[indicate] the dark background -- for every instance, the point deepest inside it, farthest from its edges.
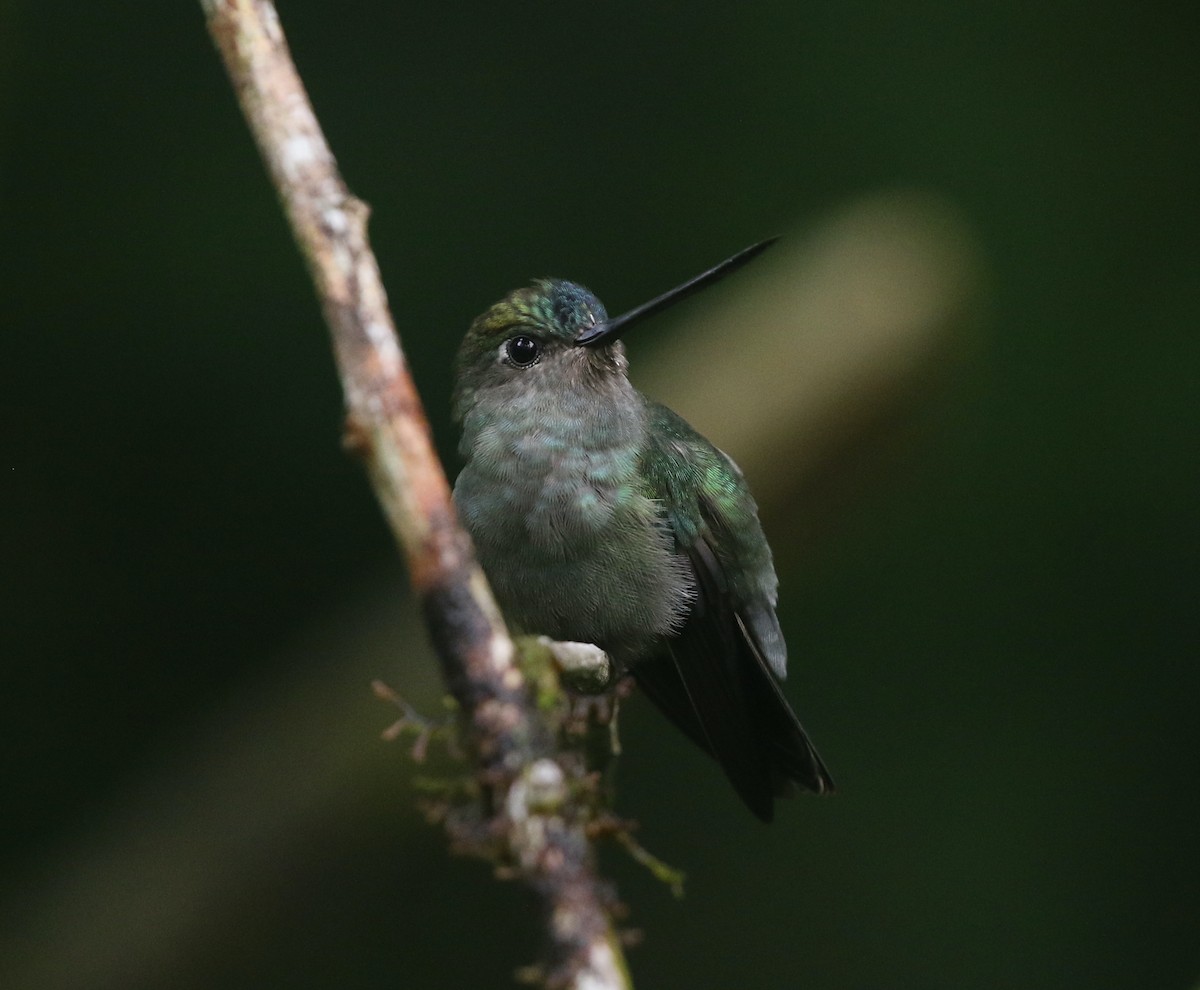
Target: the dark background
(995, 633)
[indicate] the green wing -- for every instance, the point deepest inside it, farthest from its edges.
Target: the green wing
(718, 678)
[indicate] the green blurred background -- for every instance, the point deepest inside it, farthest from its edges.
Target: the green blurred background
(990, 592)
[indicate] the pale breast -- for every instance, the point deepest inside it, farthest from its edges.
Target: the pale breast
(570, 544)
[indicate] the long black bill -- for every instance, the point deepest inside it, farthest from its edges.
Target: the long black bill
(606, 333)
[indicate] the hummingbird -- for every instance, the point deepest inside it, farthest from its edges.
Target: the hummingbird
(600, 516)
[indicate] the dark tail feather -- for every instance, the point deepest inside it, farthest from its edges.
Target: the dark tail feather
(713, 711)
(794, 755)
(718, 692)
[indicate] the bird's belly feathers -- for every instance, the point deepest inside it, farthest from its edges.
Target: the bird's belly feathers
(570, 545)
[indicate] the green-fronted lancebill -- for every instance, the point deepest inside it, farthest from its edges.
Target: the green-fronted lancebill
(601, 517)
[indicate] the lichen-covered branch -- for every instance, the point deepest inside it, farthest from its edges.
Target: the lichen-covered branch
(528, 803)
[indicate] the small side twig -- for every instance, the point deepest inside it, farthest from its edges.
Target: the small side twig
(411, 722)
(527, 804)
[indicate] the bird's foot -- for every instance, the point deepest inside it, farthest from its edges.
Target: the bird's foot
(582, 667)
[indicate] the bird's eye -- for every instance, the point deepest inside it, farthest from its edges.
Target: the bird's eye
(523, 351)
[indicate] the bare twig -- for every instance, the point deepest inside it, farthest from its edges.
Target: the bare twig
(527, 804)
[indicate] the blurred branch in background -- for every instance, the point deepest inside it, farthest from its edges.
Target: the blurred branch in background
(845, 326)
(794, 367)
